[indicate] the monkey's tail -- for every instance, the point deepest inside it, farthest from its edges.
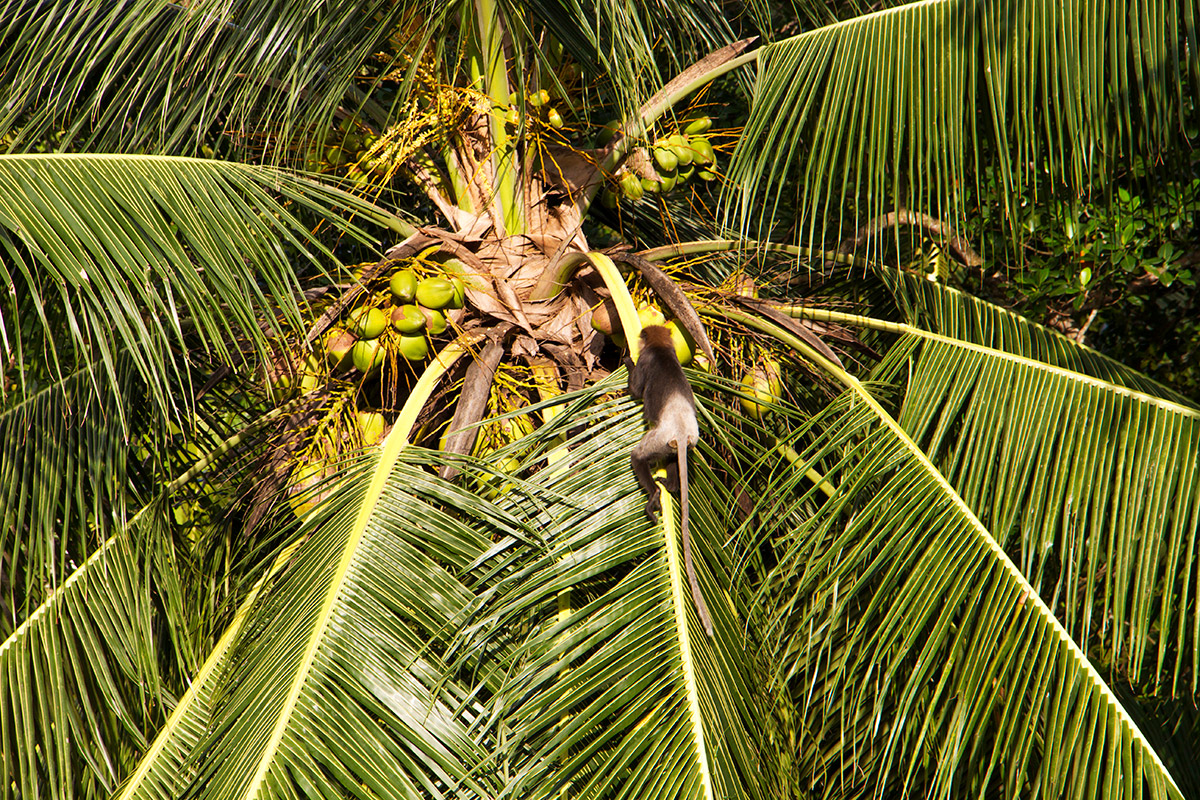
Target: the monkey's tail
(697, 597)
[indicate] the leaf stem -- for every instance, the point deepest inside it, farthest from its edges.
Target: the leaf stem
(494, 73)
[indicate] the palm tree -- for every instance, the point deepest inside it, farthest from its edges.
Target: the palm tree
(253, 545)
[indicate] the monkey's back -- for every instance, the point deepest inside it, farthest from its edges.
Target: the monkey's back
(659, 382)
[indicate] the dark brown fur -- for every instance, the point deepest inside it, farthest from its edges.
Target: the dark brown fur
(669, 408)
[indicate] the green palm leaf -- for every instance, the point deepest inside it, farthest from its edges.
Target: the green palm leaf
(887, 108)
(1078, 475)
(80, 677)
(162, 78)
(158, 77)
(631, 41)
(163, 770)
(919, 651)
(335, 669)
(65, 476)
(953, 314)
(1078, 465)
(336, 674)
(905, 620)
(117, 268)
(128, 256)
(615, 690)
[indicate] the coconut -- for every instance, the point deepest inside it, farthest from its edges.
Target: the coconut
(684, 348)
(404, 285)
(435, 293)
(631, 186)
(681, 148)
(604, 316)
(301, 496)
(764, 386)
(665, 156)
(435, 321)
(408, 319)
(337, 345)
(368, 323)
(368, 355)
(460, 292)
(414, 348)
(702, 150)
(371, 426)
(651, 315)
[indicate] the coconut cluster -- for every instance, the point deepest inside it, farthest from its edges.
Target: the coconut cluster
(400, 320)
(346, 145)
(540, 107)
(679, 158)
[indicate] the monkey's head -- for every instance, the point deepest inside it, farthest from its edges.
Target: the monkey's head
(657, 336)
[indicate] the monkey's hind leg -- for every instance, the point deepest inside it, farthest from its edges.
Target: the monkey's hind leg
(649, 453)
(641, 469)
(671, 481)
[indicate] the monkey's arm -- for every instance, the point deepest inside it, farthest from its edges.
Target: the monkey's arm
(637, 380)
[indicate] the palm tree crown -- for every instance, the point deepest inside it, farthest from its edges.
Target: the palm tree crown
(314, 444)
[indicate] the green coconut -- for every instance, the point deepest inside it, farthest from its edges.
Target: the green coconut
(435, 321)
(408, 319)
(404, 285)
(651, 315)
(764, 386)
(368, 323)
(368, 355)
(371, 426)
(460, 292)
(414, 348)
(435, 293)
(338, 343)
(684, 348)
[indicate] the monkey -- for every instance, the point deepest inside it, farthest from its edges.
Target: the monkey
(669, 409)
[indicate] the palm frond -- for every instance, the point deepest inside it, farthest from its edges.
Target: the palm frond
(919, 654)
(164, 770)
(151, 76)
(881, 109)
(336, 676)
(628, 42)
(80, 681)
(1077, 476)
(141, 257)
(606, 597)
(65, 476)
(956, 315)
(1077, 464)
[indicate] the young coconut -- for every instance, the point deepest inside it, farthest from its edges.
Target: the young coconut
(436, 293)
(368, 355)
(414, 348)
(435, 321)
(408, 319)
(404, 285)
(765, 388)
(685, 348)
(371, 427)
(300, 491)
(650, 314)
(368, 323)
(338, 343)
